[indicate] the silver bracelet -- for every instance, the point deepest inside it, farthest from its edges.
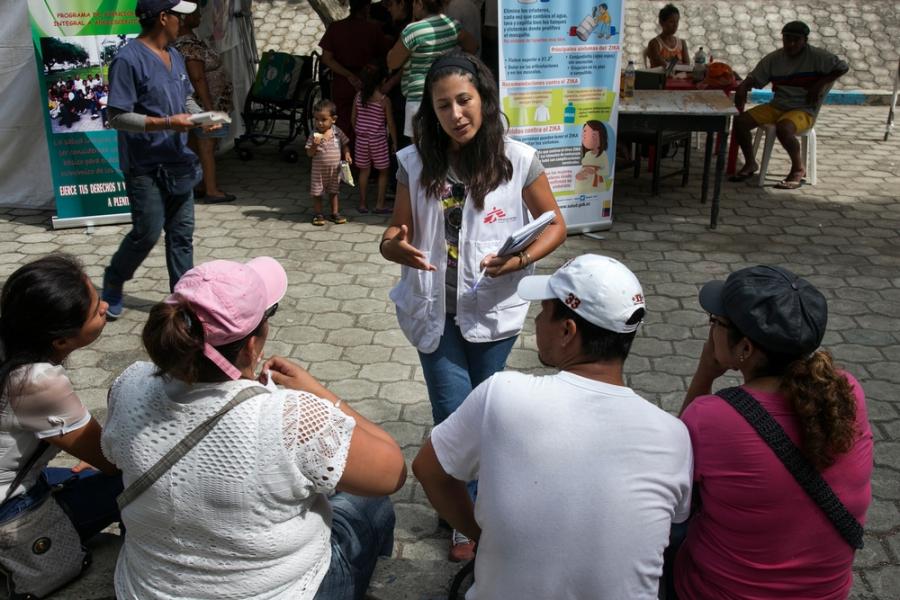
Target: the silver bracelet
(168, 122)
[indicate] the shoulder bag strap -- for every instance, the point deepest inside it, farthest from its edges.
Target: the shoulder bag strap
(797, 464)
(183, 447)
(20, 476)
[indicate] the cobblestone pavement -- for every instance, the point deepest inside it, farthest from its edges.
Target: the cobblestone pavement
(739, 33)
(337, 319)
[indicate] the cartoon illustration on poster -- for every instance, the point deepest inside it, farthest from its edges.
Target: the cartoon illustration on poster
(559, 84)
(74, 43)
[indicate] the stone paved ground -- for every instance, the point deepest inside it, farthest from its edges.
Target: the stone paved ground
(738, 32)
(337, 319)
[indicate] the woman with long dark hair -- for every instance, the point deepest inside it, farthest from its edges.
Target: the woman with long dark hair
(49, 309)
(462, 188)
(757, 533)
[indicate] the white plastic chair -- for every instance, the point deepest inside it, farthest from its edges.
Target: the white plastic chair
(807, 149)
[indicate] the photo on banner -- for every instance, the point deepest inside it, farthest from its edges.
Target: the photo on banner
(559, 85)
(74, 43)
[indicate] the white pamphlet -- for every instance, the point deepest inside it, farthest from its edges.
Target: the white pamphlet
(211, 118)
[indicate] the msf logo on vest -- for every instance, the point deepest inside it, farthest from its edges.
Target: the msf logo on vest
(496, 215)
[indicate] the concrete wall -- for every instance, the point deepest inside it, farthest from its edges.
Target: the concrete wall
(865, 33)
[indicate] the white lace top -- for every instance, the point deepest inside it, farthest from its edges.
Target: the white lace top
(244, 514)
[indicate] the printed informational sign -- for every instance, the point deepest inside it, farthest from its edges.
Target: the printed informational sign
(559, 83)
(74, 42)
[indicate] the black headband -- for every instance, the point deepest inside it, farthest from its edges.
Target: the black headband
(452, 61)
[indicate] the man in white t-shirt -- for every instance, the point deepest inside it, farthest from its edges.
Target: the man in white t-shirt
(579, 478)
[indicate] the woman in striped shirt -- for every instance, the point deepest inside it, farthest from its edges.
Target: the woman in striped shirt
(421, 42)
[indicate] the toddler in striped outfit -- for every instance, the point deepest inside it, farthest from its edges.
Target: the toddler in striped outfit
(373, 121)
(326, 146)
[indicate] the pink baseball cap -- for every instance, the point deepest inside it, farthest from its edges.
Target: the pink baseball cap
(230, 299)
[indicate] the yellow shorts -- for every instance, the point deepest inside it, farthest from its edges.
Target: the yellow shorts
(766, 114)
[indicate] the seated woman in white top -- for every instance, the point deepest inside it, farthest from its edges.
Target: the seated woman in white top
(49, 309)
(246, 513)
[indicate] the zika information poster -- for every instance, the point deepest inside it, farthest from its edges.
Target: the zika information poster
(74, 43)
(559, 84)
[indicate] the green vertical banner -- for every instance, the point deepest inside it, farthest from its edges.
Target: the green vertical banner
(74, 43)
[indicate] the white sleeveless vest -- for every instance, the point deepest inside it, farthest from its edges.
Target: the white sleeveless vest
(491, 312)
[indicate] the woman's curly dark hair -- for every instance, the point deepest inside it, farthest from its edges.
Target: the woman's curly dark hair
(825, 405)
(483, 166)
(820, 396)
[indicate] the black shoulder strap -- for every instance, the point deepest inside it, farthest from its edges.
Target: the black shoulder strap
(20, 476)
(794, 461)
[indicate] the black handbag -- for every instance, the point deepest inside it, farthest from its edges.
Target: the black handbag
(797, 464)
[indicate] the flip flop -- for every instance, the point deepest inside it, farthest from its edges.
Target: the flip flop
(784, 184)
(362, 210)
(384, 211)
(738, 177)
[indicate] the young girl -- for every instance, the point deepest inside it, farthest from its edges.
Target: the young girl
(373, 121)
(462, 189)
(326, 147)
(49, 309)
(667, 45)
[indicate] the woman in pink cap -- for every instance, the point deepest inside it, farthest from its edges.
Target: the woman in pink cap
(243, 505)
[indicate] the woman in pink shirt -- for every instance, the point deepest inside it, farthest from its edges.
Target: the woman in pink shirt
(755, 532)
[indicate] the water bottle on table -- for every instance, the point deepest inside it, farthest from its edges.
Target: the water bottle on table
(628, 81)
(699, 65)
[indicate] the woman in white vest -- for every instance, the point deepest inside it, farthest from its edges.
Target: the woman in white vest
(461, 190)
(250, 511)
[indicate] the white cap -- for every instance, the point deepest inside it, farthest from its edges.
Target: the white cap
(598, 288)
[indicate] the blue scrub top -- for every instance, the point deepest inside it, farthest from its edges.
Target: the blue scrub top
(140, 82)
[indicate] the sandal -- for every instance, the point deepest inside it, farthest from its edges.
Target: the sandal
(786, 184)
(742, 176)
(792, 184)
(318, 220)
(384, 211)
(337, 219)
(362, 210)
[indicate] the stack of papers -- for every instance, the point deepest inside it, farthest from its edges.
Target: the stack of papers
(524, 236)
(211, 118)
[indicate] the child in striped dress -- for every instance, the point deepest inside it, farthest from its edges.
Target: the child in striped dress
(326, 146)
(373, 121)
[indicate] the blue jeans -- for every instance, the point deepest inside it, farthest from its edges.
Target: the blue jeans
(162, 200)
(362, 529)
(88, 497)
(458, 366)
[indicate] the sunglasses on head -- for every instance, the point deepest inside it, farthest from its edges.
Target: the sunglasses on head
(270, 312)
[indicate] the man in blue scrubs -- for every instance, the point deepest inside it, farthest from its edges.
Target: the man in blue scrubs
(150, 105)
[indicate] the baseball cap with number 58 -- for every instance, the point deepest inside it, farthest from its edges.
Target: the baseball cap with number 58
(597, 288)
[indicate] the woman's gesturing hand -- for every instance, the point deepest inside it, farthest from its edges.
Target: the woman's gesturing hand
(397, 249)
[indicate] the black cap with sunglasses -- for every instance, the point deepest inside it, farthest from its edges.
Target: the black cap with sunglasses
(779, 311)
